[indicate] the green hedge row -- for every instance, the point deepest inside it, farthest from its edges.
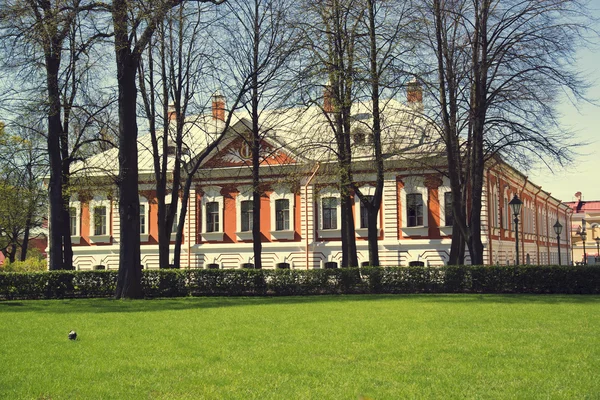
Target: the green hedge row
(210, 282)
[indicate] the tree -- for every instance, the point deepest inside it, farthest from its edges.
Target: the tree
(51, 35)
(259, 48)
(387, 38)
(169, 78)
(330, 36)
(21, 191)
(501, 67)
(128, 17)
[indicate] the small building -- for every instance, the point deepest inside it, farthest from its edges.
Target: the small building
(300, 205)
(586, 224)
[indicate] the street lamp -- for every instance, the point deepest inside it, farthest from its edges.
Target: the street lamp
(558, 229)
(584, 238)
(515, 204)
(597, 249)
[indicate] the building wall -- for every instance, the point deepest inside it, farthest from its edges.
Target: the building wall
(307, 245)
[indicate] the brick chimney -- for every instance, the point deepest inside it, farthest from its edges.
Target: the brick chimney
(218, 106)
(328, 99)
(171, 114)
(414, 92)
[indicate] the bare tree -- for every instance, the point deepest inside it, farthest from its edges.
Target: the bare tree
(259, 49)
(134, 25)
(49, 42)
(384, 53)
(502, 66)
(330, 30)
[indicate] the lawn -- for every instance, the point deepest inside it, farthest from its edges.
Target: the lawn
(327, 347)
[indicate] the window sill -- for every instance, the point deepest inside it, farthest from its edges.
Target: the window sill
(75, 239)
(144, 237)
(364, 232)
(282, 235)
(329, 233)
(100, 239)
(415, 231)
(212, 236)
(446, 230)
(245, 235)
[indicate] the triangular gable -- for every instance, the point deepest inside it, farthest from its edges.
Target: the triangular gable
(234, 151)
(238, 153)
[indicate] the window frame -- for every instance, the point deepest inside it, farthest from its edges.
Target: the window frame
(282, 193)
(75, 236)
(97, 203)
(363, 231)
(418, 218)
(210, 222)
(144, 217)
(415, 185)
(448, 210)
(212, 194)
(332, 219)
(322, 232)
(245, 194)
(246, 215)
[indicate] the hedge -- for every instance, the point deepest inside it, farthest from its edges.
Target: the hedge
(284, 282)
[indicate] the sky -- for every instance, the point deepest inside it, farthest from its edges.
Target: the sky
(584, 119)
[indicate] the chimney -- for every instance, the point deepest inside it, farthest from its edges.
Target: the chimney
(171, 114)
(328, 98)
(218, 106)
(414, 93)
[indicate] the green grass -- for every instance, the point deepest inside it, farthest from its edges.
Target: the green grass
(328, 347)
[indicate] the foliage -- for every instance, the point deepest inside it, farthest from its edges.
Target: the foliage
(550, 279)
(32, 264)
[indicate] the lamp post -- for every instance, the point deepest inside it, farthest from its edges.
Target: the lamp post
(584, 238)
(515, 204)
(597, 249)
(558, 229)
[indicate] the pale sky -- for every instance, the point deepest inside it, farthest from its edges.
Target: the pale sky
(584, 175)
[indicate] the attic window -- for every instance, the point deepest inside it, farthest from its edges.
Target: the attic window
(359, 136)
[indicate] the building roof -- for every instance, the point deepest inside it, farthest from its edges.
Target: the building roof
(306, 133)
(584, 206)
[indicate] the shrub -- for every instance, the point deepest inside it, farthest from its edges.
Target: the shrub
(285, 282)
(32, 264)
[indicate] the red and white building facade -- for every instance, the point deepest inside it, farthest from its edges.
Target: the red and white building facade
(300, 207)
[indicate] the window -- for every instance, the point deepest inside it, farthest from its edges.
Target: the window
(329, 212)
(448, 213)
(99, 209)
(212, 213)
(175, 218)
(282, 214)
(73, 221)
(364, 213)
(414, 209)
(142, 219)
(496, 210)
(505, 214)
(212, 216)
(100, 221)
(282, 201)
(246, 215)
(144, 224)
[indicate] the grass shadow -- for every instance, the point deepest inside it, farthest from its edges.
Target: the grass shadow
(185, 303)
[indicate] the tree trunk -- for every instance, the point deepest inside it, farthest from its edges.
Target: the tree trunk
(129, 283)
(25, 244)
(55, 186)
